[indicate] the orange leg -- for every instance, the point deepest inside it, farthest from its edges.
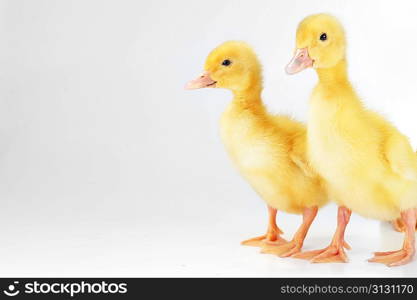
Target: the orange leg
(272, 235)
(404, 255)
(294, 246)
(399, 225)
(335, 251)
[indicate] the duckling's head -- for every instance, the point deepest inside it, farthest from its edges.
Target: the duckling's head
(320, 43)
(232, 65)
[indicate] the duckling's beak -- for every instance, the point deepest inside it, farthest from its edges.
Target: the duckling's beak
(202, 81)
(299, 62)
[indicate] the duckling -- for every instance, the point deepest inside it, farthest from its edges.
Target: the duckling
(368, 165)
(268, 150)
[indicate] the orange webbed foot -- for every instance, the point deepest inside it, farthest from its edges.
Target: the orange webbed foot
(404, 255)
(260, 241)
(294, 246)
(272, 237)
(286, 249)
(332, 253)
(335, 252)
(254, 242)
(393, 258)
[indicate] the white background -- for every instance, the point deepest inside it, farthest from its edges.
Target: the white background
(109, 168)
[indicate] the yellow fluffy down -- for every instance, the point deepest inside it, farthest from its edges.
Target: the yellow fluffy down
(368, 165)
(269, 151)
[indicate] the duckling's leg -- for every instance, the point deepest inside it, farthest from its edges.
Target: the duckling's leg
(335, 251)
(403, 256)
(398, 225)
(272, 234)
(295, 245)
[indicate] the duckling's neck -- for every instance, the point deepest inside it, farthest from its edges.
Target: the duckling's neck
(334, 85)
(248, 99)
(335, 74)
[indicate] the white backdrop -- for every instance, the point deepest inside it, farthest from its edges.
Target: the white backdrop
(109, 168)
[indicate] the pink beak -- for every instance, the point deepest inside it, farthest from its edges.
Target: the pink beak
(202, 81)
(299, 62)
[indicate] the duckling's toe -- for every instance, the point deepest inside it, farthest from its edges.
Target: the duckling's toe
(254, 242)
(261, 241)
(393, 258)
(331, 254)
(286, 249)
(307, 255)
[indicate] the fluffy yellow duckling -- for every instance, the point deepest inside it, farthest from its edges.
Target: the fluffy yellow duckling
(369, 166)
(269, 151)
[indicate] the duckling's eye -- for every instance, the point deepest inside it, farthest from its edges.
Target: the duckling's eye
(226, 62)
(323, 37)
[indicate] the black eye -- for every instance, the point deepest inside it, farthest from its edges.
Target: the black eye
(226, 62)
(323, 37)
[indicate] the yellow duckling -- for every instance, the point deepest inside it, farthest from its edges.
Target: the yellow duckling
(369, 166)
(269, 151)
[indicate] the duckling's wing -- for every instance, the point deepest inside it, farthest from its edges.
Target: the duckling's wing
(298, 154)
(296, 134)
(303, 165)
(400, 156)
